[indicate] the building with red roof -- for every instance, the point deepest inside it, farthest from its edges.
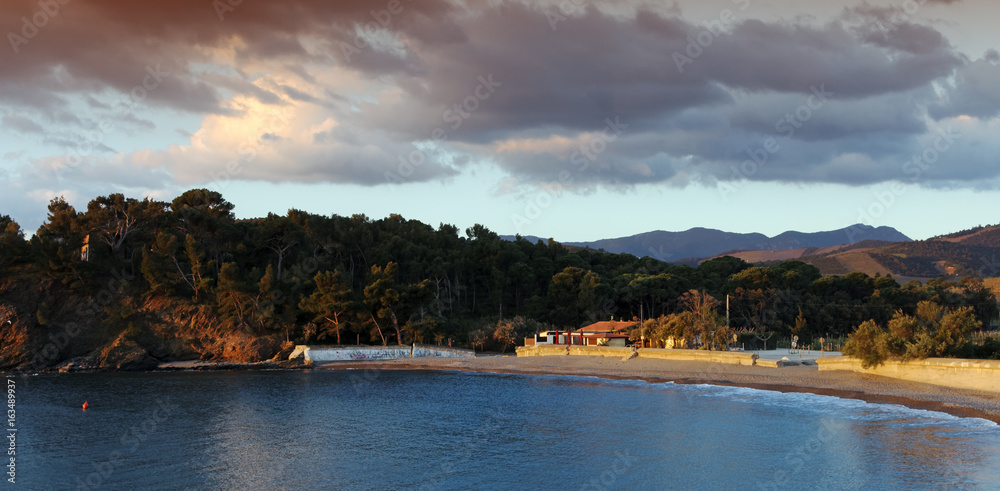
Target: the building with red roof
(604, 333)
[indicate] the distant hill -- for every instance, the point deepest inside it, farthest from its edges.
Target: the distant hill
(974, 252)
(704, 242)
(982, 236)
(883, 250)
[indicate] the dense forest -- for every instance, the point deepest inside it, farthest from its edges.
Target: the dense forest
(145, 270)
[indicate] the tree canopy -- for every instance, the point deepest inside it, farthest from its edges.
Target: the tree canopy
(315, 277)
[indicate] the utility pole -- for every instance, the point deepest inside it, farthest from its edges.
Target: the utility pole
(727, 310)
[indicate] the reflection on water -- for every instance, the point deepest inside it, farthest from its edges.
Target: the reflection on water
(915, 445)
(390, 430)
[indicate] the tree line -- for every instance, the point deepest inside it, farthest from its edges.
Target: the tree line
(338, 279)
(933, 331)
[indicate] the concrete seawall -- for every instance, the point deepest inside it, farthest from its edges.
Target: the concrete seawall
(326, 354)
(725, 357)
(562, 350)
(949, 372)
(432, 351)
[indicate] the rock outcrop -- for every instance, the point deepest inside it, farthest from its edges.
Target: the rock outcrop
(126, 355)
(60, 337)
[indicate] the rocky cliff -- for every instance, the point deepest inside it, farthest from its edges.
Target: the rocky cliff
(39, 332)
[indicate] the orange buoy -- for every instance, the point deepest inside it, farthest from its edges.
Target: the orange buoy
(85, 405)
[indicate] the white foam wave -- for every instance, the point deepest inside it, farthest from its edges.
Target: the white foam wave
(851, 409)
(839, 407)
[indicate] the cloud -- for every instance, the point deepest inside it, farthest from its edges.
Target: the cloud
(349, 92)
(88, 46)
(973, 91)
(21, 123)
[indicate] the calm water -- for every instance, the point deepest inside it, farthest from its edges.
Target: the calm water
(434, 430)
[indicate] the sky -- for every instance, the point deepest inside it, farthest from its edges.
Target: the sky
(573, 119)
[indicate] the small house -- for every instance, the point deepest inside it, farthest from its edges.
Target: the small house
(555, 337)
(607, 333)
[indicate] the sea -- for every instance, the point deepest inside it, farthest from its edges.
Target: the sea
(391, 429)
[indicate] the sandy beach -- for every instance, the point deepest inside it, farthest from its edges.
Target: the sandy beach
(958, 402)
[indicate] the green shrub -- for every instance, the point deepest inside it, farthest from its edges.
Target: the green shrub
(989, 350)
(869, 344)
(933, 332)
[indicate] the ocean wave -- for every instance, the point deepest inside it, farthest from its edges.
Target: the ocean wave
(852, 409)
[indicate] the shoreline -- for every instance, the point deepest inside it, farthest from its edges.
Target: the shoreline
(963, 403)
(808, 379)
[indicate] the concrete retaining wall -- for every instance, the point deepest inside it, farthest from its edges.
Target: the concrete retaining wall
(948, 372)
(578, 350)
(726, 357)
(540, 350)
(544, 350)
(432, 351)
(611, 351)
(324, 354)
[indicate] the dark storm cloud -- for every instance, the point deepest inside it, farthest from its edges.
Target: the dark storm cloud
(893, 27)
(87, 46)
(591, 67)
(774, 57)
(885, 115)
(596, 65)
(694, 99)
(974, 91)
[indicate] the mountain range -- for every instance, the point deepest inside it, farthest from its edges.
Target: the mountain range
(862, 248)
(701, 242)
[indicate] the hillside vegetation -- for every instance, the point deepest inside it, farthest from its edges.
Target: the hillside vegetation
(974, 252)
(127, 284)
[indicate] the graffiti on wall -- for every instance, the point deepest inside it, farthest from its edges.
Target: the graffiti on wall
(434, 352)
(377, 353)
